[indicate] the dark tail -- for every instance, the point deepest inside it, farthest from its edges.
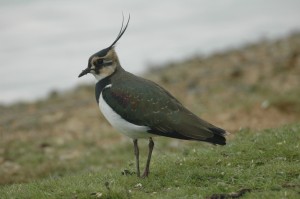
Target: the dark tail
(219, 136)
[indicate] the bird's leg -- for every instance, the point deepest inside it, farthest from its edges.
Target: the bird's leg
(136, 153)
(147, 169)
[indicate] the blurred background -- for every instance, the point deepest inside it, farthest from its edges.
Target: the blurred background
(45, 44)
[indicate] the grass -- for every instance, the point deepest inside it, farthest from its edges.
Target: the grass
(265, 164)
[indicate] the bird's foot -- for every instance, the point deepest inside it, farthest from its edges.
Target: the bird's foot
(145, 174)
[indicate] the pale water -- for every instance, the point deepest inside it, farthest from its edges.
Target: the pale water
(44, 45)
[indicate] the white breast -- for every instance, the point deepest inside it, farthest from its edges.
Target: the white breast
(127, 128)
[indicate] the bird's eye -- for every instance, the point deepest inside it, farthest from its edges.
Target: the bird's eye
(99, 62)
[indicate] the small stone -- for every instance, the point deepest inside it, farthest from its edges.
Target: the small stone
(139, 185)
(99, 195)
(265, 104)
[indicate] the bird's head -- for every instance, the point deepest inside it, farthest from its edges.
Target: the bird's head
(104, 62)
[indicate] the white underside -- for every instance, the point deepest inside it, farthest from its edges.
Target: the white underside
(127, 128)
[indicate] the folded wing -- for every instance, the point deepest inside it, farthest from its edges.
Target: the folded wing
(152, 106)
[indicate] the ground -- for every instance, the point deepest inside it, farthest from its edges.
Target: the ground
(64, 139)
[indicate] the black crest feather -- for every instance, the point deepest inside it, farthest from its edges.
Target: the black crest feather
(121, 32)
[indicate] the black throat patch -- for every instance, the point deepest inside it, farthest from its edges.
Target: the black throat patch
(100, 86)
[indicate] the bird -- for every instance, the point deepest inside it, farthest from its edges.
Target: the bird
(142, 109)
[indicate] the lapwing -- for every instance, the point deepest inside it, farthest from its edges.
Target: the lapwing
(140, 108)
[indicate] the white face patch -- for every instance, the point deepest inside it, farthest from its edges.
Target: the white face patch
(107, 62)
(100, 76)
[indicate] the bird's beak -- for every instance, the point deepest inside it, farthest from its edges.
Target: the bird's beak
(84, 72)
